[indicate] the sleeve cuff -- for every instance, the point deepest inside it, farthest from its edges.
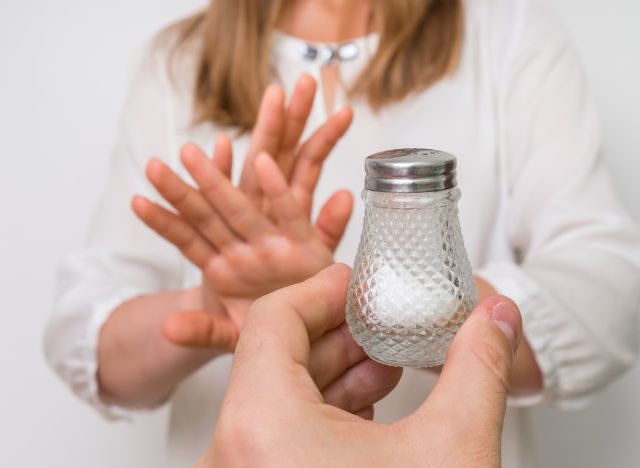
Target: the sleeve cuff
(542, 321)
(99, 315)
(78, 365)
(71, 343)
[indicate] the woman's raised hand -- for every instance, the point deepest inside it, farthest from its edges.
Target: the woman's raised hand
(251, 240)
(278, 131)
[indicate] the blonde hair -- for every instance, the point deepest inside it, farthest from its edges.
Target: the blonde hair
(420, 42)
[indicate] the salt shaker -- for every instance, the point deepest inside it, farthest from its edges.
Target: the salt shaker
(411, 287)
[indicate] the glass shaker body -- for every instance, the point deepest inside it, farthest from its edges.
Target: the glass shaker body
(411, 287)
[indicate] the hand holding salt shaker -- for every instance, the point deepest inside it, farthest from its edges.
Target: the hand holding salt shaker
(411, 287)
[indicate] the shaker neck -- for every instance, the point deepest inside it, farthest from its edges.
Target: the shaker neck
(411, 200)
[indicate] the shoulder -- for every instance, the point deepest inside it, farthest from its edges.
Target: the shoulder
(161, 82)
(508, 15)
(511, 31)
(165, 64)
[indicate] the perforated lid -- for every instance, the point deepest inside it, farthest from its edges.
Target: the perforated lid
(410, 170)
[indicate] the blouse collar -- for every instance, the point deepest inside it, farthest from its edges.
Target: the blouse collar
(360, 49)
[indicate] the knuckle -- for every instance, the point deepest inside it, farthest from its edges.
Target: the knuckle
(162, 226)
(181, 199)
(354, 353)
(260, 306)
(238, 216)
(495, 360)
(238, 437)
(329, 140)
(186, 241)
(209, 224)
(197, 212)
(355, 390)
(210, 187)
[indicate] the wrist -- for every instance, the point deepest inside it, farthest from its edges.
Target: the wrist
(527, 377)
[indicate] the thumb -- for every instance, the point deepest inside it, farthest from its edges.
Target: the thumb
(472, 389)
(333, 218)
(199, 329)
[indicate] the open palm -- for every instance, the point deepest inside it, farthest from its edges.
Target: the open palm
(255, 238)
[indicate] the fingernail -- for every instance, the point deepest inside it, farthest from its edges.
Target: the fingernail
(505, 316)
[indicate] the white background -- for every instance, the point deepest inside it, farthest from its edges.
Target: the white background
(64, 68)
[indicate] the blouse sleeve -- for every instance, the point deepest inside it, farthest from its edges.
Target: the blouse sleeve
(122, 258)
(577, 280)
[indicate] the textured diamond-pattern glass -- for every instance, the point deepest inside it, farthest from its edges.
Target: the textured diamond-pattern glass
(411, 287)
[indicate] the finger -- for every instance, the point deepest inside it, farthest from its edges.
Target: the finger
(231, 204)
(223, 155)
(273, 350)
(199, 329)
(333, 218)
(286, 211)
(297, 114)
(313, 153)
(190, 203)
(266, 136)
(474, 382)
(362, 385)
(366, 413)
(175, 230)
(332, 354)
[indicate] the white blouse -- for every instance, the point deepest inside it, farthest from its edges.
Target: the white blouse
(539, 217)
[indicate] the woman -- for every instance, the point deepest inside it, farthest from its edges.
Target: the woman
(494, 82)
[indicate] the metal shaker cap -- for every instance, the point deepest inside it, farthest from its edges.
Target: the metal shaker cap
(410, 170)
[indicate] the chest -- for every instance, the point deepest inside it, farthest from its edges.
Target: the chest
(456, 115)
